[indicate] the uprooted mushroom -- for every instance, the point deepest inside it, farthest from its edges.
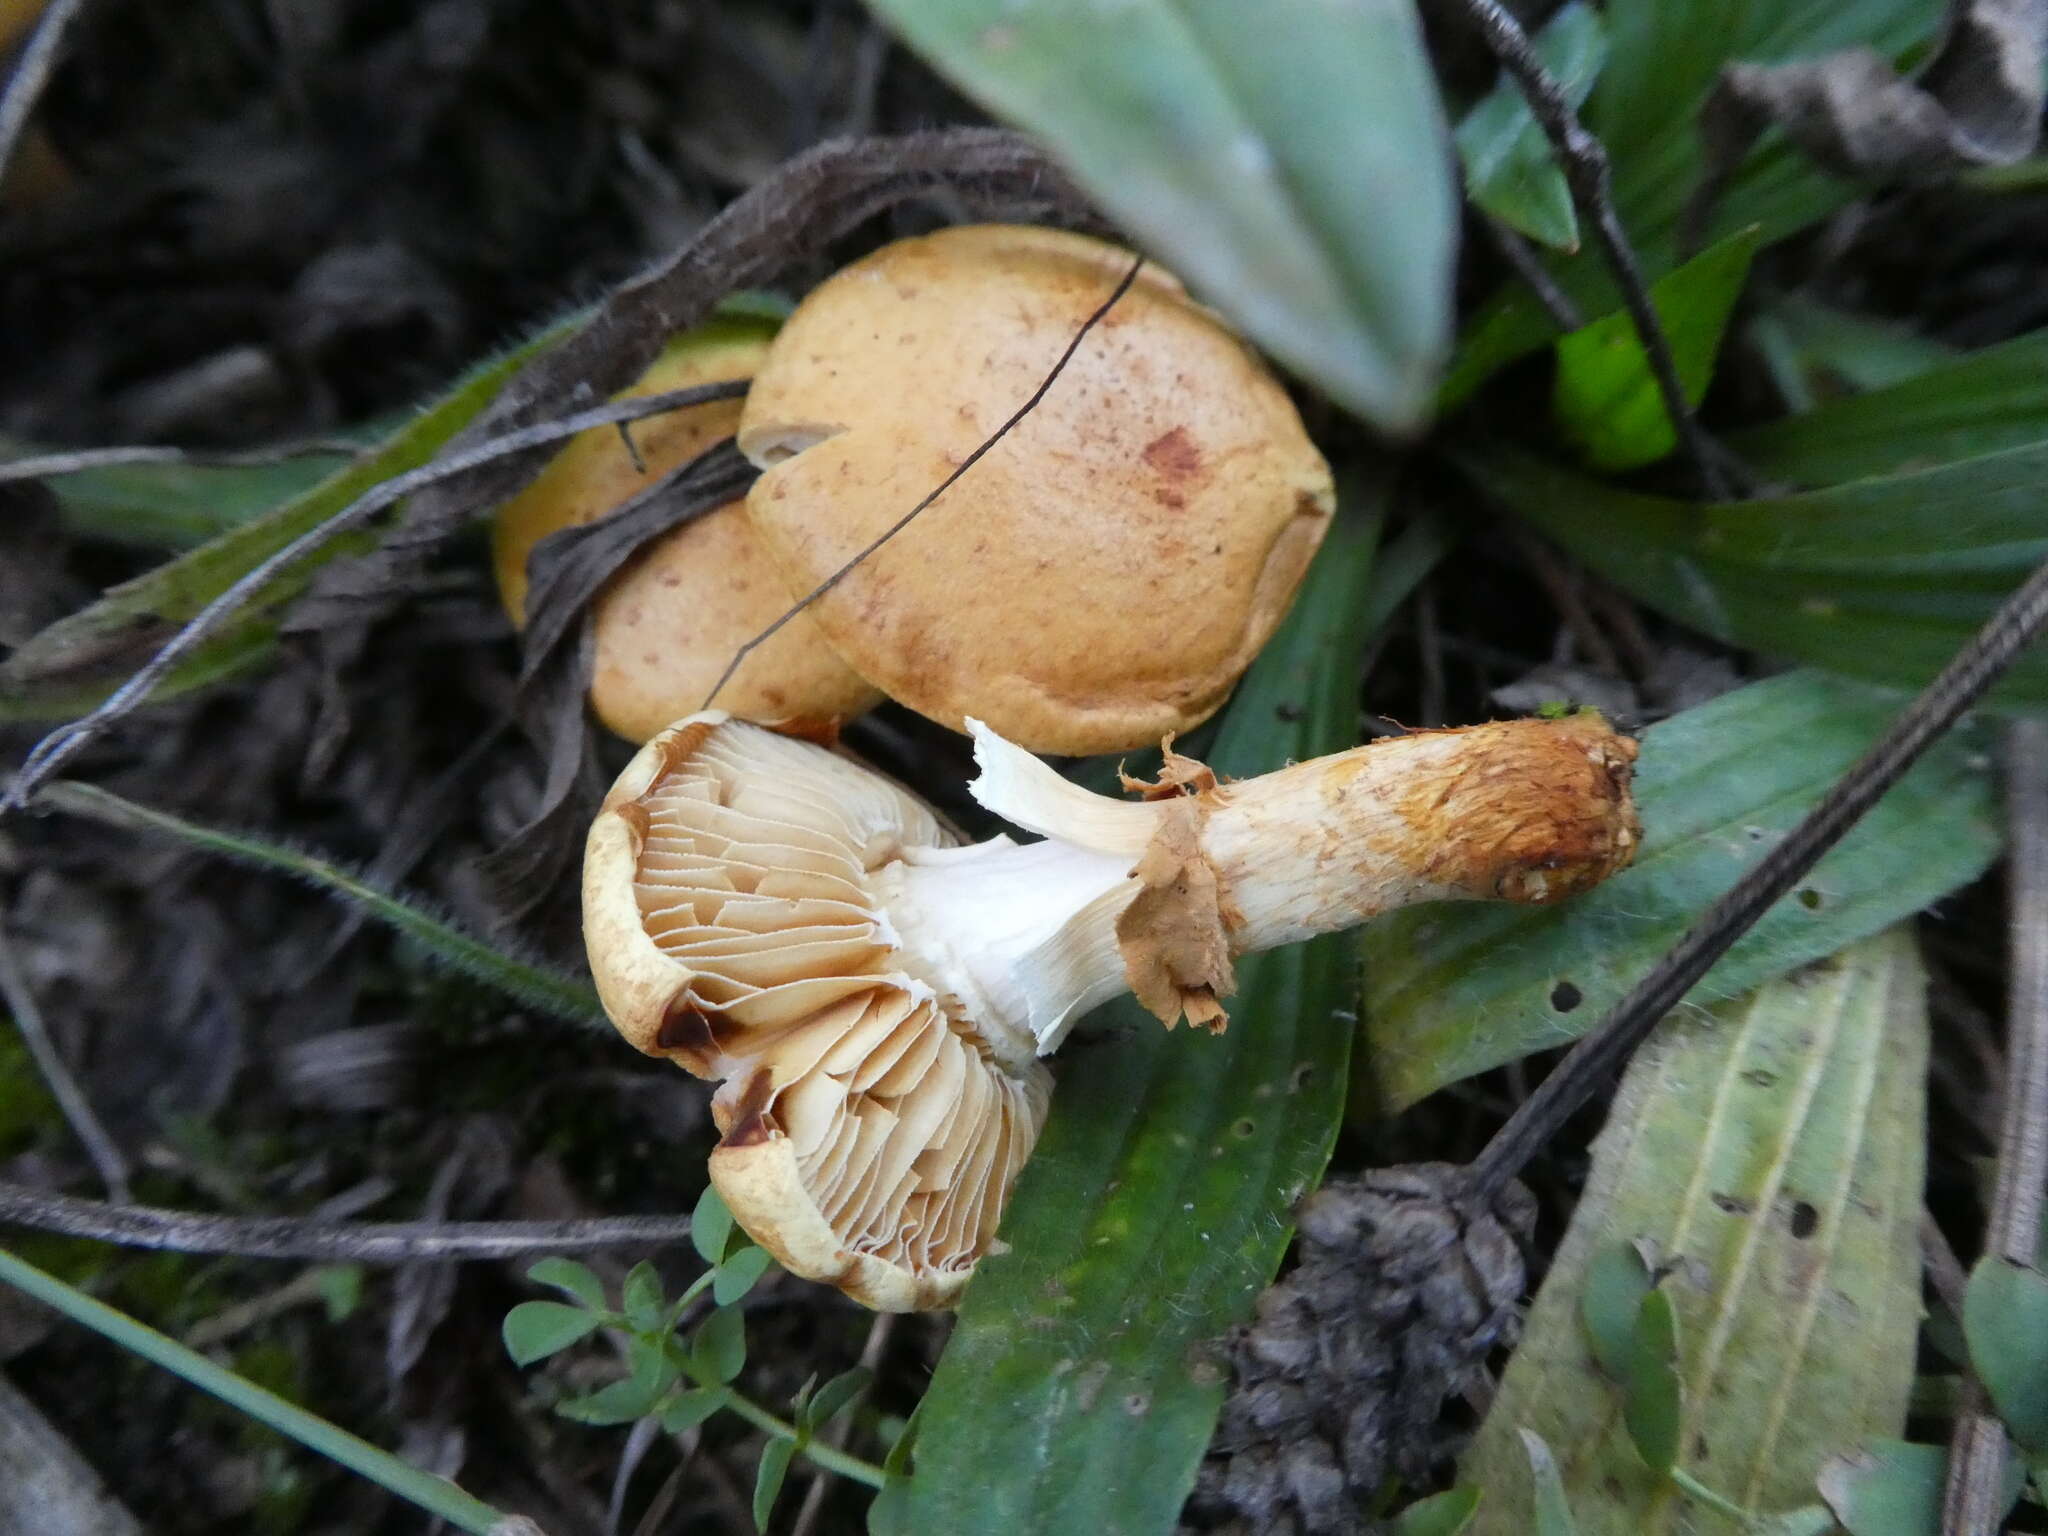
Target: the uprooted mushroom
(876, 997)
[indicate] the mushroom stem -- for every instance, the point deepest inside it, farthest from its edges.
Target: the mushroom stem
(1161, 897)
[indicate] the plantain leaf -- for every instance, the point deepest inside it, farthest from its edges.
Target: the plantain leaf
(1510, 171)
(1453, 990)
(1986, 402)
(1289, 159)
(1155, 1208)
(77, 661)
(1881, 579)
(1606, 398)
(1771, 1151)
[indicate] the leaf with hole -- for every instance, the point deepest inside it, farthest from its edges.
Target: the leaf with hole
(1770, 1153)
(718, 1348)
(1155, 1209)
(1510, 171)
(533, 1330)
(1606, 398)
(572, 1279)
(2005, 1319)
(1288, 159)
(1454, 990)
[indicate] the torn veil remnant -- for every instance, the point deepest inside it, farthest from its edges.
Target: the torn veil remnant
(876, 997)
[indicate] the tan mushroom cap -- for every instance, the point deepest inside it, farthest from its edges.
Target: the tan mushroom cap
(669, 622)
(1108, 570)
(871, 1134)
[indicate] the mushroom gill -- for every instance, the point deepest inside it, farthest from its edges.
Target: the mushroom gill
(870, 1129)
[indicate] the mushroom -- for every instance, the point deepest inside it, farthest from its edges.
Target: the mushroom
(1109, 569)
(670, 620)
(877, 998)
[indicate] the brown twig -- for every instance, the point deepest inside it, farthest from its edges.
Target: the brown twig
(25, 86)
(1591, 179)
(1937, 707)
(105, 1153)
(739, 656)
(61, 745)
(355, 1242)
(1974, 1499)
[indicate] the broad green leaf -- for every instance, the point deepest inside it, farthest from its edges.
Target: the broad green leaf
(1441, 1514)
(736, 1276)
(641, 1299)
(1891, 1488)
(718, 1349)
(1288, 159)
(1606, 398)
(1986, 402)
(2005, 1318)
(533, 1330)
(1882, 579)
(1770, 1150)
(572, 1279)
(532, 984)
(1509, 169)
(1663, 58)
(711, 1226)
(80, 659)
(1610, 1303)
(1452, 990)
(689, 1409)
(768, 1478)
(1653, 1401)
(1155, 1209)
(835, 1397)
(1552, 1510)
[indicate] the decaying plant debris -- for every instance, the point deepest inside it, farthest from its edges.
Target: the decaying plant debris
(207, 260)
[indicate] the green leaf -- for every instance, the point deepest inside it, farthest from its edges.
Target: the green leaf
(536, 1329)
(527, 983)
(1155, 1209)
(736, 1276)
(768, 1478)
(176, 506)
(642, 1300)
(719, 1346)
(1617, 1284)
(711, 1226)
(1987, 402)
(572, 1279)
(341, 1290)
(77, 661)
(1881, 579)
(835, 1397)
(1663, 58)
(1510, 171)
(1816, 352)
(1890, 1488)
(1771, 1153)
(1552, 1510)
(1606, 397)
(689, 1409)
(1441, 1514)
(2005, 1318)
(619, 1403)
(1654, 1402)
(1287, 159)
(1454, 990)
